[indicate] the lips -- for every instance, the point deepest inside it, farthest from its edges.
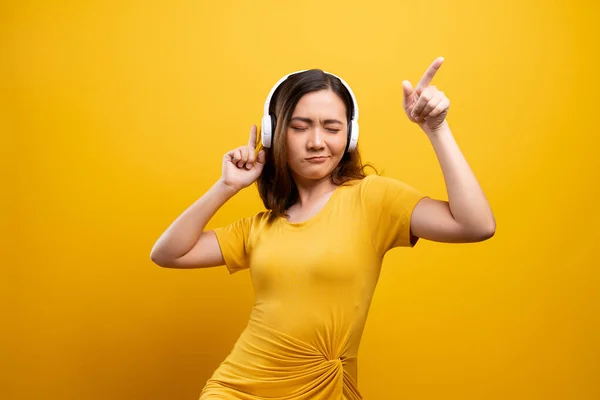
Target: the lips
(317, 160)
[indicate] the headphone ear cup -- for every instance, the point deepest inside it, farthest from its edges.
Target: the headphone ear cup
(268, 127)
(352, 136)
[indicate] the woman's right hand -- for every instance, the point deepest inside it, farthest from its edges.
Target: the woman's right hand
(240, 166)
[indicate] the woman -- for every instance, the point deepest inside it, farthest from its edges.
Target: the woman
(315, 254)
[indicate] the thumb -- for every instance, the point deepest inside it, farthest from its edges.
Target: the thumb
(407, 89)
(261, 157)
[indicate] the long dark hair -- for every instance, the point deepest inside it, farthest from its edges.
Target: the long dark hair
(275, 184)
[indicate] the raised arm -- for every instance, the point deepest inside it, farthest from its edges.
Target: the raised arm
(185, 243)
(466, 216)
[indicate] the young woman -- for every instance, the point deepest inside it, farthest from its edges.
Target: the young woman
(315, 254)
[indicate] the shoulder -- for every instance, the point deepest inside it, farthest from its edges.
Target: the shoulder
(379, 191)
(372, 179)
(375, 179)
(247, 224)
(259, 219)
(358, 183)
(372, 189)
(378, 183)
(372, 185)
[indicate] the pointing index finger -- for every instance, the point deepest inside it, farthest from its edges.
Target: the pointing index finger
(252, 140)
(430, 73)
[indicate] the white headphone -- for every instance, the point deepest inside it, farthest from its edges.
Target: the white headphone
(268, 120)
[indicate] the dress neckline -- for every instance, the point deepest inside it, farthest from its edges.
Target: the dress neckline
(313, 219)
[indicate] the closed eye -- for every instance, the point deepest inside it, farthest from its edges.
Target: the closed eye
(303, 129)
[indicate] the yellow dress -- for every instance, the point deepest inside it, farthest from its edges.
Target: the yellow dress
(313, 284)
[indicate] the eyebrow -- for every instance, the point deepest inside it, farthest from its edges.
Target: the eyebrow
(310, 121)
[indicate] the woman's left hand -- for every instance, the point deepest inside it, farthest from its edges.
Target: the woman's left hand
(426, 105)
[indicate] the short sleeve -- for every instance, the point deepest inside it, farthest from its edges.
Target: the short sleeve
(233, 241)
(388, 205)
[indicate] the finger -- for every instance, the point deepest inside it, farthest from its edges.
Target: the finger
(444, 105)
(252, 140)
(422, 102)
(244, 157)
(261, 159)
(250, 159)
(407, 90)
(430, 73)
(236, 155)
(431, 104)
(251, 156)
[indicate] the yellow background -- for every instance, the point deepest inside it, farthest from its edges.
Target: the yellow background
(115, 116)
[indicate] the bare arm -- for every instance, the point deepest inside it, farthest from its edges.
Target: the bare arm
(466, 216)
(185, 243)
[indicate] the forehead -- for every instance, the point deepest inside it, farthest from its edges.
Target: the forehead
(322, 102)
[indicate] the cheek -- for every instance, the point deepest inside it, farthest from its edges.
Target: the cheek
(340, 142)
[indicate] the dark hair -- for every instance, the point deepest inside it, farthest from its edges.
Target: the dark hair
(275, 184)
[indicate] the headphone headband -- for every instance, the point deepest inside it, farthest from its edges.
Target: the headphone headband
(279, 82)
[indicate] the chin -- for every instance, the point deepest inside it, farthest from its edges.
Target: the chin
(314, 174)
(315, 177)
(306, 170)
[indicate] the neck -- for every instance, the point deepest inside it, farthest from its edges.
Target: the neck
(310, 190)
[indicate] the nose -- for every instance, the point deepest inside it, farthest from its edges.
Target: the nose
(315, 139)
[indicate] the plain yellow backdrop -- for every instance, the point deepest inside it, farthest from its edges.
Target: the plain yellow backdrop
(115, 116)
